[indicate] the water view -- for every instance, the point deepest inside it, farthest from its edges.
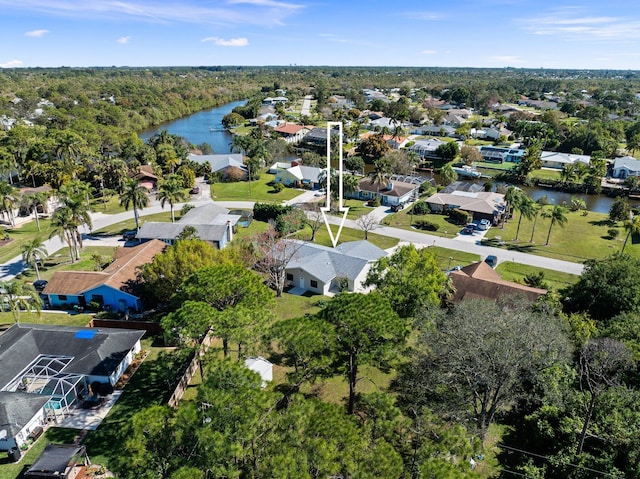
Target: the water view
(202, 127)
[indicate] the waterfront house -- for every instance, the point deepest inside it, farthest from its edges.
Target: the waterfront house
(390, 193)
(481, 204)
(625, 166)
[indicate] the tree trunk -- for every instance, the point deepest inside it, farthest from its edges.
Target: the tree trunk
(35, 212)
(135, 216)
(353, 377)
(533, 229)
(518, 229)
(35, 264)
(549, 234)
(173, 218)
(587, 420)
(225, 347)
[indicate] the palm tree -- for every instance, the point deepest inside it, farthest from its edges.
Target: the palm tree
(527, 208)
(537, 208)
(632, 225)
(33, 201)
(557, 217)
(34, 251)
(134, 195)
(64, 228)
(8, 200)
(171, 191)
(20, 296)
(380, 173)
(448, 175)
(513, 196)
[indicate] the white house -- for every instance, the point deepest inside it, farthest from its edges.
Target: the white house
(557, 160)
(300, 176)
(262, 366)
(324, 270)
(625, 167)
(427, 148)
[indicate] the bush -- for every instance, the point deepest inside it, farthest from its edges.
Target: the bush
(613, 233)
(459, 217)
(421, 208)
(277, 187)
(267, 211)
(426, 225)
(374, 203)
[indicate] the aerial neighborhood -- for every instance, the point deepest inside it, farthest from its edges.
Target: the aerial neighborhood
(445, 285)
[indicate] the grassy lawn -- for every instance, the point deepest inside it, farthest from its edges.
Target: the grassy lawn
(584, 237)
(260, 191)
(516, 272)
(448, 258)
(21, 235)
(357, 209)
(347, 234)
(118, 228)
(61, 318)
(545, 174)
(402, 218)
(150, 385)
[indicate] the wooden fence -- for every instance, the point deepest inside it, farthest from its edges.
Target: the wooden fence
(194, 365)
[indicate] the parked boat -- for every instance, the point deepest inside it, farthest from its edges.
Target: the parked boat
(467, 172)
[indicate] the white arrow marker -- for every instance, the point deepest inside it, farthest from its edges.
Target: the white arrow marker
(341, 209)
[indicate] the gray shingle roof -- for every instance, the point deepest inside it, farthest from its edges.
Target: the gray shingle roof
(98, 355)
(17, 409)
(324, 263)
(203, 215)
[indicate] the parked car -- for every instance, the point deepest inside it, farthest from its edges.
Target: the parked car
(484, 225)
(40, 284)
(469, 229)
(491, 260)
(129, 235)
(195, 190)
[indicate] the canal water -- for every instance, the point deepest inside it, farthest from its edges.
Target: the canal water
(206, 127)
(202, 127)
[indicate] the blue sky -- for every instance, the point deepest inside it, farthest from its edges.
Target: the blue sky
(482, 33)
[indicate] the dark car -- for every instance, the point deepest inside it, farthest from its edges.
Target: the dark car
(491, 260)
(129, 235)
(195, 190)
(40, 284)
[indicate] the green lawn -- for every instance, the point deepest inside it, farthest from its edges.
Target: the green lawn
(150, 385)
(130, 224)
(402, 218)
(347, 234)
(449, 258)
(61, 318)
(258, 190)
(21, 235)
(556, 280)
(584, 237)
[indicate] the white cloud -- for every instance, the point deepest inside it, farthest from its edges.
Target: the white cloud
(507, 59)
(245, 12)
(36, 33)
(124, 40)
(232, 42)
(428, 52)
(572, 23)
(11, 64)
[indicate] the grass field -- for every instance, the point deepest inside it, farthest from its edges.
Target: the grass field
(584, 237)
(258, 190)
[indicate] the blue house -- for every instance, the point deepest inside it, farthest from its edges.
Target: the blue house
(110, 287)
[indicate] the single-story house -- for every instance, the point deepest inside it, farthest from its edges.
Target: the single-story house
(58, 461)
(292, 133)
(272, 101)
(427, 148)
(625, 167)
(213, 224)
(262, 366)
(392, 192)
(317, 136)
(556, 160)
(479, 280)
(322, 270)
(394, 142)
(496, 154)
(300, 176)
(481, 204)
(109, 287)
(492, 133)
(47, 370)
(146, 177)
(50, 202)
(434, 130)
(221, 163)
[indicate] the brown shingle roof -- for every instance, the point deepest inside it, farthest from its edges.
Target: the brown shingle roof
(289, 128)
(479, 280)
(117, 274)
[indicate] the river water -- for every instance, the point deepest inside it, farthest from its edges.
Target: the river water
(206, 127)
(202, 127)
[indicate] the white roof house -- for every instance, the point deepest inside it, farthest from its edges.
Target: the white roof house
(321, 269)
(299, 176)
(219, 162)
(557, 160)
(262, 366)
(625, 166)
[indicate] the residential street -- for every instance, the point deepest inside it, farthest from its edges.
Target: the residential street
(12, 267)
